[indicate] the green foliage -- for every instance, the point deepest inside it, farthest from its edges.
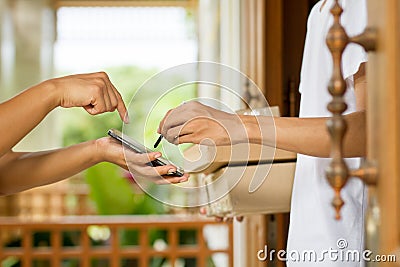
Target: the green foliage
(111, 193)
(10, 261)
(115, 195)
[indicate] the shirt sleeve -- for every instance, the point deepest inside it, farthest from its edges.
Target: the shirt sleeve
(354, 20)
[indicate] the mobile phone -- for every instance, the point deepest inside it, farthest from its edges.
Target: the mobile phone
(139, 148)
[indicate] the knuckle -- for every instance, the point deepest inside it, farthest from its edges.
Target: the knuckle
(99, 81)
(114, 104)
(95, 88)
(170, 135)
(148, 157)
(161, 170)
(169, 138)
(164, 131)
(193, 104)
(102, 74)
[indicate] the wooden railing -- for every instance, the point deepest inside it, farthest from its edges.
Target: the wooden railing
(65, 198)
(115, 241)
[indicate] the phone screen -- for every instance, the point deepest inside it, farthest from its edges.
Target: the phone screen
(139, 148)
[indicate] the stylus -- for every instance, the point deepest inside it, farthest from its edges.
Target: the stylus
(158, 141)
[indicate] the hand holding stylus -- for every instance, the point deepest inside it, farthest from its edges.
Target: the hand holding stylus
(198, 123)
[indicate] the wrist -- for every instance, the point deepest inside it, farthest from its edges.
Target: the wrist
(98, 151)
(252, 126)
(51, 93)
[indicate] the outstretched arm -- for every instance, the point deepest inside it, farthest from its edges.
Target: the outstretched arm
(309, 136)
(19, 115)
(194, 123)
(21, 171)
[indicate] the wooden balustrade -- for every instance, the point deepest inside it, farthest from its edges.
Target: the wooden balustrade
(65, 198)
(103, 241)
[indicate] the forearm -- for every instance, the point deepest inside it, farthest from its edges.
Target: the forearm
(22, 171)
(19, 115)
(307, 136)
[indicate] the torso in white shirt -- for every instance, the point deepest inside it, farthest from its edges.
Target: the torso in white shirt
(312, 223)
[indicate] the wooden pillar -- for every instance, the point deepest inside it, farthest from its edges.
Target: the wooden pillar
(383, 130)
(209, 44)
(256, 238)
(28, 34)
(253, 48)
(274, 53)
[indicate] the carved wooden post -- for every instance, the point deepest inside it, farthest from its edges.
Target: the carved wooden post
(338, 172)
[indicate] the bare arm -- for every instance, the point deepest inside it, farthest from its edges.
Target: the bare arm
(194, 122)
(309, 136)
(21, 171)
(19, 115)
(34, 103)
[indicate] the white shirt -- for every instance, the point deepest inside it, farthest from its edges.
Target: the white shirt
(312, 223)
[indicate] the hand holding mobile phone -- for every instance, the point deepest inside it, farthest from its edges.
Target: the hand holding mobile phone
(139, 148)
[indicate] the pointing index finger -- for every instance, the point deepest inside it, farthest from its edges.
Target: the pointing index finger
(121, 108)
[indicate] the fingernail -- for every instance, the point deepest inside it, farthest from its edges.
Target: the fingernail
(127, 120)
(171, 171)
(157, 155)
(183, 180)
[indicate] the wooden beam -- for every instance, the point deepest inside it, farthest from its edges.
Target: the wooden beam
(274, 53)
